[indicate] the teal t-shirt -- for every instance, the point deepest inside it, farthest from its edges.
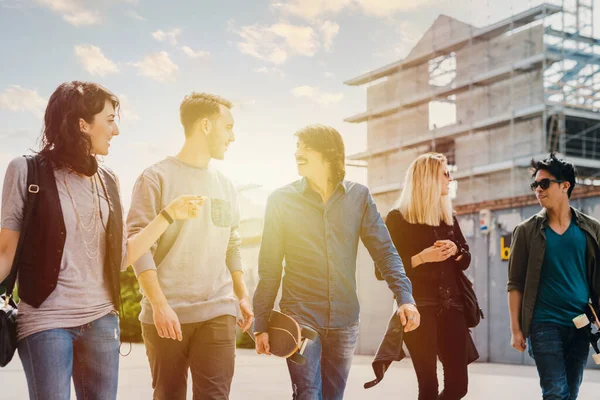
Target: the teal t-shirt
(563, 291)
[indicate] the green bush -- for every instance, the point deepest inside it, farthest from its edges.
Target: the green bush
(243, 340)
(131, 330)
(15, 294)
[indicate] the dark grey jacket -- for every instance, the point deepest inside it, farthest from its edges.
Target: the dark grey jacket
(527, 255)
(390, 349)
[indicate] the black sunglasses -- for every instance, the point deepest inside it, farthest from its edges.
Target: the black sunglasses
(544, 183)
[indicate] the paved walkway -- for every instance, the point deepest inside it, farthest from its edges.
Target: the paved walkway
(266, 378)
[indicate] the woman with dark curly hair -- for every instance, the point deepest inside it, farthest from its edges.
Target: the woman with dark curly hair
(69, 263)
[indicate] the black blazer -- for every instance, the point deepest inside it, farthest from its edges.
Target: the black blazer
(428, 278)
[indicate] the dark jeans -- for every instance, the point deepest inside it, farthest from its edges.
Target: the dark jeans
(444, 335)
(325, 373)
(88, 353)
(207, 349)
(560, 354)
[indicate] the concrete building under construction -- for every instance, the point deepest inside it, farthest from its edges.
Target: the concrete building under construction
(490, 98)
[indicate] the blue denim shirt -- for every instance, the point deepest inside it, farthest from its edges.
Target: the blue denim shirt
(319, 243)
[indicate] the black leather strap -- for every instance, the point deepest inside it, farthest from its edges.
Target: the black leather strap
(165, 214)
(33, 190)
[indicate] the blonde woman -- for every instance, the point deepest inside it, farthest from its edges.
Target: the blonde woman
(433, 250)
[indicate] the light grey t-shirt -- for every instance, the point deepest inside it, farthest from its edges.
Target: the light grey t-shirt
(82, 294)
(193, 258)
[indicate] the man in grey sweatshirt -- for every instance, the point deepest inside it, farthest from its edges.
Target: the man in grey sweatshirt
(192, 280)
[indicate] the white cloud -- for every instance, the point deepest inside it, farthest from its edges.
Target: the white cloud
(310, 9)
(329, 30)
(299, 39)
(384, 8)
(327, 98)
(73, 11)
(157, 66)
(329, 75)
(277, 42)
(15, 4)
(170, 36)
(315, 94)
(314, 9)
(270, 70)
(94, 61)
(127, 113)
(391, 48)
(16, 98)
(133, 14)
(193, 53)
(243, 105)
(304, 91)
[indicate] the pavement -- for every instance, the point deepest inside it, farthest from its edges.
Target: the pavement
(265, 378)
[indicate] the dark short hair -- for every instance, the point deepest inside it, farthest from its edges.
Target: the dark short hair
(560, 169)
(327, 141)
(196, 106)
(62, 141)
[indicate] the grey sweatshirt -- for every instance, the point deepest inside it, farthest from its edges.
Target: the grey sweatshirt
(193, 258)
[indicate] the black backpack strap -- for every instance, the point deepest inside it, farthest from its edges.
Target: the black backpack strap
(33, 189)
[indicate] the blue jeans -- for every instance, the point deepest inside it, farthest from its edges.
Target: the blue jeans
(88, 353)
(560, 354)
(325, 373)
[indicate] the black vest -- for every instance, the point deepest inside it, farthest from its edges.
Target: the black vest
(44, 241)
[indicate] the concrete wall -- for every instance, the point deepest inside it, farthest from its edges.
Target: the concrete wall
(398, 87)
(502, 143)
(493, 186)
(445, 30)
(390, 168)
(496, 99)
(397, 128)
(496, 145)
(500, 51)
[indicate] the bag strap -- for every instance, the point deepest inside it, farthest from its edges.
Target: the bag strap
(33, 189)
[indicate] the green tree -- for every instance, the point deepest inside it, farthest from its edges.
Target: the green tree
(131, 330)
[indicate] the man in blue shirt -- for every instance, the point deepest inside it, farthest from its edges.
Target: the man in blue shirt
(552, 276)
(315, 224)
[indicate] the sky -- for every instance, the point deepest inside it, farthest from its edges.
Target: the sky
(281, 62)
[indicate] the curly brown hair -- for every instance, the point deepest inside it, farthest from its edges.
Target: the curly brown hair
(62, 141)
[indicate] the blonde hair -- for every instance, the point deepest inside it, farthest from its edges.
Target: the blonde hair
(421, 200)
(196, 106)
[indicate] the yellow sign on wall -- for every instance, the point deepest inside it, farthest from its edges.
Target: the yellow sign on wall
(505, 241)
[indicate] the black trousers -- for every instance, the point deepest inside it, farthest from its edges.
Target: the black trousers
(440, 334)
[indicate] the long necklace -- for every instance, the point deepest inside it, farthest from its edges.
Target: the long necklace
(89, 222)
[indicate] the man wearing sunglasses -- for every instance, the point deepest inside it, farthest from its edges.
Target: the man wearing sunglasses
(551, 278)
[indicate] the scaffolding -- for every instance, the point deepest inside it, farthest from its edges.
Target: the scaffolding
(491, 99)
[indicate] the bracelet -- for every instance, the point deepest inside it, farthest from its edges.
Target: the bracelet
(166, 215)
